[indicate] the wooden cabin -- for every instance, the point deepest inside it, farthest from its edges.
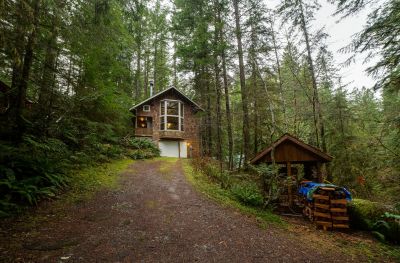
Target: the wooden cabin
(169, 118)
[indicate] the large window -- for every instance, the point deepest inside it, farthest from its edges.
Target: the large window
(171, 115)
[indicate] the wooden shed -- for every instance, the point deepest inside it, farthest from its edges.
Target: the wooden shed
(289, 150)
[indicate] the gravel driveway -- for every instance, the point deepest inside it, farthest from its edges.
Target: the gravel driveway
(154, 216)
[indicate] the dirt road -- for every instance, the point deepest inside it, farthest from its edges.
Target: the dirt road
(154, 216)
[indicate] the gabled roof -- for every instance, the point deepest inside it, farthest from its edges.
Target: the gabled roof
(323, 157)
(163, 92)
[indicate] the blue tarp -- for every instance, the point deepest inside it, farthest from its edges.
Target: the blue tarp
(307, 190)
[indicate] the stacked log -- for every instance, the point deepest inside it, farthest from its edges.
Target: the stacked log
(329, 209)
(322, 213)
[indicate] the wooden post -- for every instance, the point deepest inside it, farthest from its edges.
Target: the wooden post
(289, 174)
(319, 173)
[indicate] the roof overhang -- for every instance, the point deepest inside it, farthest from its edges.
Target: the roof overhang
(163, 92)
(323, 157)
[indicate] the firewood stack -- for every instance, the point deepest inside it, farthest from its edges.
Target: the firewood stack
(330, 208)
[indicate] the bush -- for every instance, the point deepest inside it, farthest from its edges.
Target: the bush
(364, 213)
(273, 185)
(31, 171)
(248, 194)
(211, 169)
(376, 217)
(37, 168)
(388, 228)
(140, 148)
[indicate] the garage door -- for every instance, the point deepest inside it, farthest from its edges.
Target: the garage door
(173, 148)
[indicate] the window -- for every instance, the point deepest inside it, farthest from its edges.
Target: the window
(146, 108)
(171, 115)
(144, 122)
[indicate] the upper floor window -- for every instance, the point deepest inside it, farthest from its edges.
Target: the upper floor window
(171, 115)
(144, 122)
(146, 107)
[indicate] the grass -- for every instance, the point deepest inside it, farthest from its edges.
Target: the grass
(226, 198)
(166, 167)
(82, 186)
(84, 183)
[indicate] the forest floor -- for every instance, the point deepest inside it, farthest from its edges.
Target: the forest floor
(156, 215)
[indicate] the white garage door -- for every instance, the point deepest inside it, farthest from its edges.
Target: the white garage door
(173, 148)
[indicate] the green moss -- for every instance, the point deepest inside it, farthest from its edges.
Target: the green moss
(86, 182)
(364, 213)
(166, 167)
(226, 198)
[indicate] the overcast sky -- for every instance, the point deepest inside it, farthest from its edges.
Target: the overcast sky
(340, 36)
(341, 33)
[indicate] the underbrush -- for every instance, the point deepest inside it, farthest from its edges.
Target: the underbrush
(38, 168)
(85, 182)
(140, 148)
(244, 196)
(383, 221)
(248, 194)
(211, 168)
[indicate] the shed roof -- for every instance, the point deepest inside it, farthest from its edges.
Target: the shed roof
(290, 149)
(180, 93)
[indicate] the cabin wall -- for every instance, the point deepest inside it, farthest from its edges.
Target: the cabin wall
(290, 152)
(191, 122)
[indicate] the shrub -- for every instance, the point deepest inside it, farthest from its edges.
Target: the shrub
(211, 169)
(140, 148)
(375, 217)
(364, 213)
(388, 228)
(38, 167)
(272, 184)
(248, 194)
(138, 154)
(31, 171)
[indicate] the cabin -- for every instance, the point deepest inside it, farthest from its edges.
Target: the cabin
(170, 119)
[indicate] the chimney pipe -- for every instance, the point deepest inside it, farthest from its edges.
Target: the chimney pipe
(151, 87)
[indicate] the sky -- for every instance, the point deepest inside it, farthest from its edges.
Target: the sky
(341, 33)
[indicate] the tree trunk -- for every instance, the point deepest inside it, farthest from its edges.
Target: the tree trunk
(270, 105)
(227, 106)
(174, 64)
(48, 77)
(246, 129)
(146, 72)
(278, 65)
(209, 118)
(319, 133)
(155, 82)
(256, 129)
(138, 88)
(217, 80)
(21, 70)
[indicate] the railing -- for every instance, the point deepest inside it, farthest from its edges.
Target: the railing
(144, 132)
(171, 134)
